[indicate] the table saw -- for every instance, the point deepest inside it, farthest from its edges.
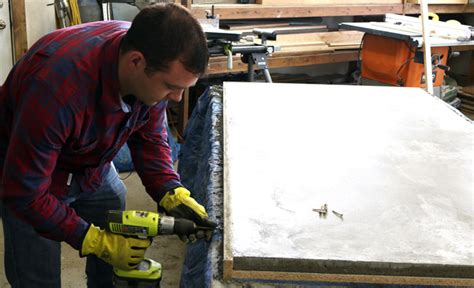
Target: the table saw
(391, 51)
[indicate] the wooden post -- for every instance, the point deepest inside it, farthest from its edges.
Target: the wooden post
(427, 46)
(187, 3)
(183, 112)
(20, 42)
(471, 69)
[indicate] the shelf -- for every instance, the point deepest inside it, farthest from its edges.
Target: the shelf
(257, 11)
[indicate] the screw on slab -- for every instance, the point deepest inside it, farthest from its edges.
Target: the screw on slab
(337, 214)
(322, 211)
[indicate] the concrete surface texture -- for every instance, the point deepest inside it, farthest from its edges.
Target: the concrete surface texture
(395, 162)
(168, 250)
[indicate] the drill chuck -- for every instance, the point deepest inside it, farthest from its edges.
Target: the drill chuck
(166, 225)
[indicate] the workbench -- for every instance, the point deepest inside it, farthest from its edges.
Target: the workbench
(396, 162)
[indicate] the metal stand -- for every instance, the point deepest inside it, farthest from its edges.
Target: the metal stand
(260, 60)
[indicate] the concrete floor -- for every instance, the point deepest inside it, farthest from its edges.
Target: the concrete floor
(168, 250)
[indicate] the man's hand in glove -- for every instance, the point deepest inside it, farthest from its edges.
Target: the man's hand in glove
(118, 251)
(179, 204)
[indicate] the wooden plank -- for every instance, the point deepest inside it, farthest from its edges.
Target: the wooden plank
(440, 1)
(345, 44)
(187, 3)
(327, 37)
(254, 26)
(342, 278)
(440, 8)
(326, 2)
(305, 48)
(469, 89)
(313, 43)
(20, 41)
(218, 65)
(212, 2)
(288, 30)
(471, 71)
(462, 48)
(183, 112)
(256, 11)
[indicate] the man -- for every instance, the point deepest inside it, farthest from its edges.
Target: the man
(66, 108)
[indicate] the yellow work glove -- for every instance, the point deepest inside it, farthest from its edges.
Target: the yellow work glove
(118, 251)
(179, 204)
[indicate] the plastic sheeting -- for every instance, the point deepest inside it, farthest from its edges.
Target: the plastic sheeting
(200, 168)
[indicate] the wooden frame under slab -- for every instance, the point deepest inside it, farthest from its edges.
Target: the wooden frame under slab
(344, 278)
(229, 273)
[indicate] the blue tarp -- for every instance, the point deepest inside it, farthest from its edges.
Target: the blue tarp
(200, 168)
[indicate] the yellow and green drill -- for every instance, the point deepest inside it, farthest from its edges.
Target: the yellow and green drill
(145, 224)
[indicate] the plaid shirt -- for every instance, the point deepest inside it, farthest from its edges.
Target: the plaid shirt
(61, 114)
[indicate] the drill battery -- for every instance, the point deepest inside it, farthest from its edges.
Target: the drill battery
(146, 275)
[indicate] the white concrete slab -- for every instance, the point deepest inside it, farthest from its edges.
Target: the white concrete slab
(396, 162)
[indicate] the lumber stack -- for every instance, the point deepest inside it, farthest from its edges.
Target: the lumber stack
(320, 41)
(304, 37)
(466, 94)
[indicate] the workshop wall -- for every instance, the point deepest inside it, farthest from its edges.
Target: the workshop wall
(40, 19)
(124, 11)
(90, 10)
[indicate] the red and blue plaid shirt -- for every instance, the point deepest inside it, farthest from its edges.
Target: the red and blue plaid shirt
(61, 113)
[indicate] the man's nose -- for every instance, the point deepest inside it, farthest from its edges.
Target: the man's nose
(176, 96)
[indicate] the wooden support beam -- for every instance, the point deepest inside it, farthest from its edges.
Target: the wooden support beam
(471, 70)
(256, 11)
(20, 42)
(187, 3)
(345, 278)
(183, 112)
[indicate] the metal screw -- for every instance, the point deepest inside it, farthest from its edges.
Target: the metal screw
(3, 24)
(323, 210)
(337, 214)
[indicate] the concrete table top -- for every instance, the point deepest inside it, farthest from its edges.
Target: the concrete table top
(397, 163)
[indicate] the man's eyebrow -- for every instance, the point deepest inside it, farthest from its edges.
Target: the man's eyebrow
(172, 86)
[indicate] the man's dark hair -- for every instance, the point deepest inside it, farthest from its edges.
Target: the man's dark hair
(168, 32)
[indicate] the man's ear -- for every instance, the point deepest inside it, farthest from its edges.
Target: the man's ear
(136, 60)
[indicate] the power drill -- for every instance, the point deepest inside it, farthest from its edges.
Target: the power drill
(145, 224)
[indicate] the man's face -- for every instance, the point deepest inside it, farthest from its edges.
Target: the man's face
(158, 86)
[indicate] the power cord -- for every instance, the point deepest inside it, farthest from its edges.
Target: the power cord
(126, 177)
